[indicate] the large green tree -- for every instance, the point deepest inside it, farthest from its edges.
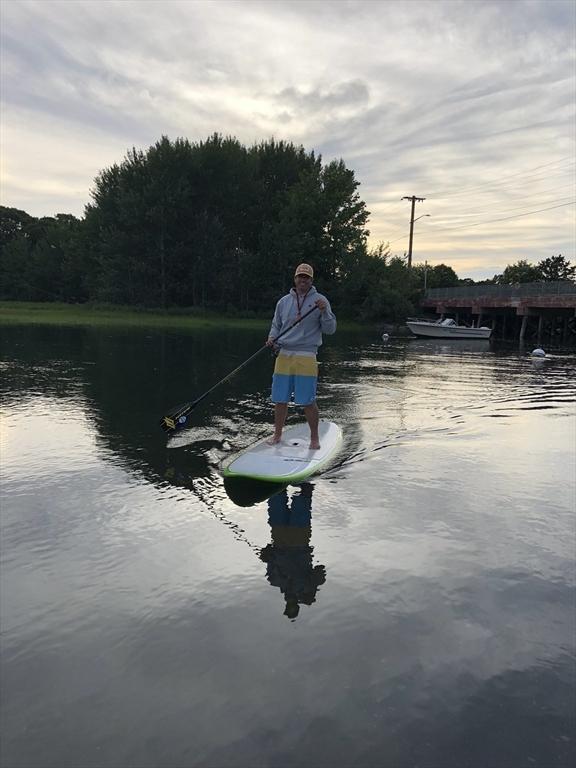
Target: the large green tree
(437, 276)
(13, 223)
(41, 259)
(556, 268)
(520, 272)
(215, 224)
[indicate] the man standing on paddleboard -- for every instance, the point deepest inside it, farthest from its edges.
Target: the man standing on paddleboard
(296, 370)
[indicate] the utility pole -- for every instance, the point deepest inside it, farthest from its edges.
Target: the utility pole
(414, 199)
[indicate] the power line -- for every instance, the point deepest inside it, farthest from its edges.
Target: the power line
(503, 180)
(395, 241)
(530, 171)
(513, 179)
(487, 210)
(451, 217)
(397, 206)
(504, 218)
(435, 231)
(499, 185)
(509, 186)
(400, 229)
(519, 198)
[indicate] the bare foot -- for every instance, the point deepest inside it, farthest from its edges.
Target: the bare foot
(273, 440)
(314, 445)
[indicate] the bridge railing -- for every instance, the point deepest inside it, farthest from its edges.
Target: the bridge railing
(559, 288)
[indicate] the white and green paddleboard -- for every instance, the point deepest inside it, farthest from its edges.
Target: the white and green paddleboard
(291, 460)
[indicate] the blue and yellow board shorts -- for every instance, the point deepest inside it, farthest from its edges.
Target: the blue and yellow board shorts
(295, 377)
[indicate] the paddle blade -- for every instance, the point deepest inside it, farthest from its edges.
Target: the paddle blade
(175, 422)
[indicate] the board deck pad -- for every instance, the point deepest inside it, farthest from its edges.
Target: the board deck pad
(290, 460)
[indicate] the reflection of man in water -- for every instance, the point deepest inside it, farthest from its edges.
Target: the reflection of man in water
(289, 555)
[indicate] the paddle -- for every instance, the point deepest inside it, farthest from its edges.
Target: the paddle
(176, 418)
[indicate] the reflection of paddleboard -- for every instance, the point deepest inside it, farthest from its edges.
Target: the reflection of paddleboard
(291, 460)
(246, 492)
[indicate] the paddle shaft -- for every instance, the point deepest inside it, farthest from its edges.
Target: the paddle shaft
(185, 410)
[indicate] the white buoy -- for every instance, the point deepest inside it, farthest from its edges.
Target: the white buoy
(538, 352)
(385, 337)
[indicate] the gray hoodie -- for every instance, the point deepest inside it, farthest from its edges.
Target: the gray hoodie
(307, 335)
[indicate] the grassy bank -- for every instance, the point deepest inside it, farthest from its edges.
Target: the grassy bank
(23, 313)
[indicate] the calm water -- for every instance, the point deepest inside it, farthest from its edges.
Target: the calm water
(413, 606)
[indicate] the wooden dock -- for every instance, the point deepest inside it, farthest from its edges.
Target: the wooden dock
(528, 311)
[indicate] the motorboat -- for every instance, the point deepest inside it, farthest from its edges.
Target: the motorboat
(447, 329)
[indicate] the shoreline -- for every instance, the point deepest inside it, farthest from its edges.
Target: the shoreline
(48, 313)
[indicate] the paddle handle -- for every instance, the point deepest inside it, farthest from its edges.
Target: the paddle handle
(298, 320)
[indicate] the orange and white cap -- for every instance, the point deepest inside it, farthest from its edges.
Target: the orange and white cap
(304, 269)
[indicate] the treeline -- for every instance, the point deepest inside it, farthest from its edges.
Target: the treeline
(212, 226)
(548, 270)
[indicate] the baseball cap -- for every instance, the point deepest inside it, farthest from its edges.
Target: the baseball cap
(304, 269)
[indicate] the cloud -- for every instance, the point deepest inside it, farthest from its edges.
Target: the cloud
(417, 98)
(350, 94)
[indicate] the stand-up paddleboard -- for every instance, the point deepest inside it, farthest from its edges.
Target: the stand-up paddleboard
(291, 460)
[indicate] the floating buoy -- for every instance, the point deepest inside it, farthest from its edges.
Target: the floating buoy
(385, 337)
(538, 352)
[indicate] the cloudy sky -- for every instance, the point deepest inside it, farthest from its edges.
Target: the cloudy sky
(470, 105)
